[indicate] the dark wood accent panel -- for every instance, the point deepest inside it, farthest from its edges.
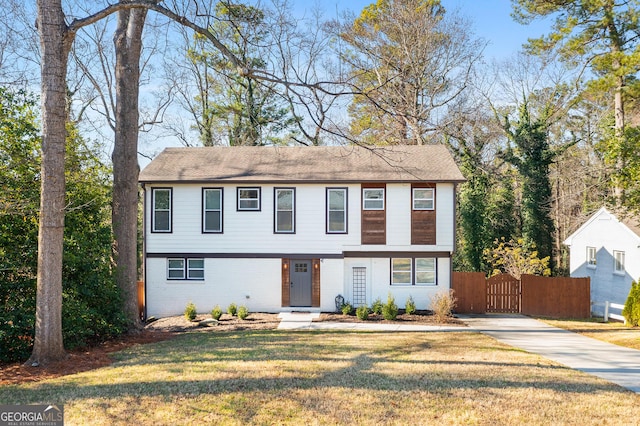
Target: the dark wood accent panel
(423, 222)
(315, 283)
(286, 283)
(374, 222)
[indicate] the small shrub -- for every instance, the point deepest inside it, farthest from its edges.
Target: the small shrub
(410, 306)
(232, 309)
(631, 311)
(362, 312)
(346, 308)
(390, 309)
(376, 307)
(216, 313)
(243, 312)
(190, 311)
(442, 305)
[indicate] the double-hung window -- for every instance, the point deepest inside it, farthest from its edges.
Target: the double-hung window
(413, 271)
(423, 198)
(161, 211)
(181, 269)
(336, 210)
(284, 215)
(248, 199)
(618, 262)
(591, 257)
(373, 199)
(212, 210)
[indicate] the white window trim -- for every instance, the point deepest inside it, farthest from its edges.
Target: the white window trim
(258, 198)
(589, 258)
(414, 272)
(432, 198)
(410, 271)
(435, 271)
(154, 210)
(616, 270)
(344, 209)
(277, 210)
(182, 269)
(190, 269)
(364, 198)
(205, 210)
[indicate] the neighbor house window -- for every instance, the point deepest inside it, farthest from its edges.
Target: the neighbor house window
(423, 198)
(249, 199)
(401, 271)
(190, 269)
(618, 262)
(373, 199)
(425, 271)
(161, 213)
(591, 256)
(284, 220)
(212, 210)
(336, 210)
(413, 271)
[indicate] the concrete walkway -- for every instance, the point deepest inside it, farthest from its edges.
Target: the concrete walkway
(608, 361)
(611, 362)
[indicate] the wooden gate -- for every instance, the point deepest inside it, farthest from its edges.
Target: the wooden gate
(503, 294)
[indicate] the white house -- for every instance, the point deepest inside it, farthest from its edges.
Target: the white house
(607, 250)
(285, 228)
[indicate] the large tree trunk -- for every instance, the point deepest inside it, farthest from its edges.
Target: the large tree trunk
(128, 43)
(55, 42)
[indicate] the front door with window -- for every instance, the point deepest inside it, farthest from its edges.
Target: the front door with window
(300, 283)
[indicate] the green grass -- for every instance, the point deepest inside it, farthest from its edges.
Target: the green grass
(284, 377)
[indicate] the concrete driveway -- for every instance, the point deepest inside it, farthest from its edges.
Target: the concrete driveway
(611, 362)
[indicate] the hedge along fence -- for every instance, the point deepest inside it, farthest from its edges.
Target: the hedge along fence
(559, 297)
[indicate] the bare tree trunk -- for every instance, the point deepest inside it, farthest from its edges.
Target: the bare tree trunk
(55, 42)
(128, 43)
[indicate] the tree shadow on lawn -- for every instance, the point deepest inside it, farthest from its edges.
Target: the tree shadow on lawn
(363, 371)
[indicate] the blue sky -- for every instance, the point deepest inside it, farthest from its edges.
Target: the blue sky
(490, 18)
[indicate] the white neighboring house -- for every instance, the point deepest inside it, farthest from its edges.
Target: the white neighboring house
(607, 250)
(286, 228)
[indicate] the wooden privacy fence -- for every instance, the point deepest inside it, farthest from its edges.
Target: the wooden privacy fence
(559, 297)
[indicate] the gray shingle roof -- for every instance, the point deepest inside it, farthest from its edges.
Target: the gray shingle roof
(303, 164)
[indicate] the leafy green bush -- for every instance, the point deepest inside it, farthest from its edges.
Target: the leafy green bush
(410, 306)
(376, 307)
(190, 311)
(390, 309)
(346, 308)
(216, 312)
(631, 311)
(243, 312)
(442, 305)
(232, 309)
(362, 312)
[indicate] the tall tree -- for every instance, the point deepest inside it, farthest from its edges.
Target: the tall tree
(409, 62)
(601, 35)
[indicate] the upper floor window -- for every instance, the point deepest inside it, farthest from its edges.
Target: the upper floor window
(373, 199)
(423, 198)
(249, 199)
(212, 210)
(591, 257)
(618, 262)
(337, 210)
(161, 211)
(284, 220)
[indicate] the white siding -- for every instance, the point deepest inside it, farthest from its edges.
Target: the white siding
(607, 235)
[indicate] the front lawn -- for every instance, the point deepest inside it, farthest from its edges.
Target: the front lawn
(283, 377)
(612, 332)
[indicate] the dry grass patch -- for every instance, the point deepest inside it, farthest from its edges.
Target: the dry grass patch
(283, 377)
(611, 332)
